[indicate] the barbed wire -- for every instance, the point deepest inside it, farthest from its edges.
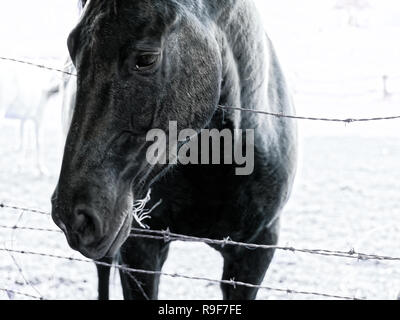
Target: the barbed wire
(33, 64)
(280, 115)
(351, 254)
(231, 282)
(30, 229)
(353, 79)
(167, 235)
(19, 208)
(21, 294)
(277, 115)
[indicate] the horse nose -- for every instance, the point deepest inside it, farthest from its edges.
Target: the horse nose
(86, 227)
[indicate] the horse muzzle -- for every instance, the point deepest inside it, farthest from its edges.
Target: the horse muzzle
(88, 232)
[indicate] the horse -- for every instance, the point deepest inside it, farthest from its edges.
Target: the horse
(21, 101)
(140, 66)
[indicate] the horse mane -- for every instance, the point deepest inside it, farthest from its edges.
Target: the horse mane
(82, 3)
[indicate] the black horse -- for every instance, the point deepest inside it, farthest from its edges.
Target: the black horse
(140, 65)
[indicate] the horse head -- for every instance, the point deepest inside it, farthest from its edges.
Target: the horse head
(140, 64)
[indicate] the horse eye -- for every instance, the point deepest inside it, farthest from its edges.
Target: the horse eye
(146, 61)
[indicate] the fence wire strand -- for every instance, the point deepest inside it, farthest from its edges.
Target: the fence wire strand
(29, 229)
(37, 65)
(280, 115)
(18, 208)
(168, 236)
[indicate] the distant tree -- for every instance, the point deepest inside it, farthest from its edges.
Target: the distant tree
(352, 8)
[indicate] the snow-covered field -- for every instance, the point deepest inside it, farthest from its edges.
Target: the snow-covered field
(346, 194)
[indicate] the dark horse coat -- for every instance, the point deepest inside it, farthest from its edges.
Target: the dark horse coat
(140, 65)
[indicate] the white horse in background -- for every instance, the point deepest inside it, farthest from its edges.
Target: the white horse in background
(24, 95)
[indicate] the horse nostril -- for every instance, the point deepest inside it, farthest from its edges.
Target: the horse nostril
(82, 222)
(86, 225)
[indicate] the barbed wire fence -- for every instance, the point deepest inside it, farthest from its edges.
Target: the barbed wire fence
(168, 236)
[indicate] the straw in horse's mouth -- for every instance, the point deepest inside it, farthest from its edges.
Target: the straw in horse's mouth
(139, 212)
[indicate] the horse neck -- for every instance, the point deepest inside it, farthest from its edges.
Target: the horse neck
(244, 50)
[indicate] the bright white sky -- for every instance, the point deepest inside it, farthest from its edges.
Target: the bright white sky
(35, 27)
(40, 27)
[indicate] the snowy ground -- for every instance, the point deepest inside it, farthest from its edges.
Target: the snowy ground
(346, 193)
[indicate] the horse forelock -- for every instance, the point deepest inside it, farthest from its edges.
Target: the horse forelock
(92, 13)
(154, 15)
